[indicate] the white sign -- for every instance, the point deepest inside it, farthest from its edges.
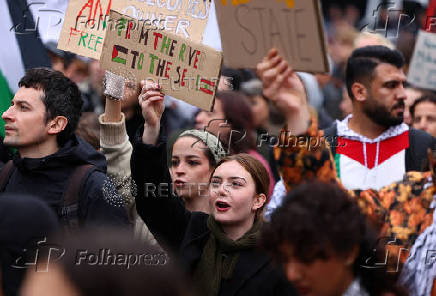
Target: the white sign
(422, 70)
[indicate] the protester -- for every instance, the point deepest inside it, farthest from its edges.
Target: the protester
(231, 228)
(361, 143)
(324, 244)
(412, 94)
(423, 113)
(194, 155)
(115, 145)
(75, 68)
(232, 122)
(340, 46)
(107, 262)
(260, 109)
(389, 208)
(52, 163)
(219, 250)
(259, 105)
(25, 223)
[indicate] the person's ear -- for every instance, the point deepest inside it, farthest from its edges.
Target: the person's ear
(360, 91)
(57, 124)
(259, 201)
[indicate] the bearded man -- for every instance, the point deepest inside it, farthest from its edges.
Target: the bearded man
(372, 147)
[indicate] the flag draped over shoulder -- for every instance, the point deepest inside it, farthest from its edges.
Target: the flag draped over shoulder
(20, 49)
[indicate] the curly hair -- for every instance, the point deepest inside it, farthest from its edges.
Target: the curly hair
(319, 220)
(61, 97)
(316, 219)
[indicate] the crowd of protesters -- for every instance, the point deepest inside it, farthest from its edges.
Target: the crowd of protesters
(294, 184)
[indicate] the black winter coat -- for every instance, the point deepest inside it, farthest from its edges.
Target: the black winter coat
(47, 178)
(186, 233)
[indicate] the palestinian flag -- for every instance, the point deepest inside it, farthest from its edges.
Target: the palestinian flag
(362, 165)
(22, 49)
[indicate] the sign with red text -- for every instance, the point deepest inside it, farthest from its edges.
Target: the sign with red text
(86, 21)
(249, 28)
(186, 70)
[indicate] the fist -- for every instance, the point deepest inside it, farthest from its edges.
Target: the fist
(152, 104)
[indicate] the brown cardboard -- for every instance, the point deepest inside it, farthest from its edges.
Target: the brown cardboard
(249, 28)
(83, 31)
(186, 70)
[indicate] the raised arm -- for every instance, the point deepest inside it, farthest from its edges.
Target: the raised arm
(116, 147)
(302, 153)
(152, 105)
(162, 211)
(284, 88)
(114, 141)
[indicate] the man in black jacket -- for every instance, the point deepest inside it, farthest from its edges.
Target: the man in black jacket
(52, 163)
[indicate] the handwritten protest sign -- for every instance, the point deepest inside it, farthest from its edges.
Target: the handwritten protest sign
(85, 21)
(186, 70)
(422, 70)
(249, 28)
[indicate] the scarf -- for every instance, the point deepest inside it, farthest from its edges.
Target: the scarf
(220, 256)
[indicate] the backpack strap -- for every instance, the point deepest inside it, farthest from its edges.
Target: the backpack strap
(6, 174)
(330, 134)
(69, 212)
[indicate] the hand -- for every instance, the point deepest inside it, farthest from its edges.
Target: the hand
(152, 105)
(284, 88)
(113, 86)
(151, 100)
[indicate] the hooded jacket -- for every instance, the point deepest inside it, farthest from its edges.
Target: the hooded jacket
(48, 177)
(363, 163)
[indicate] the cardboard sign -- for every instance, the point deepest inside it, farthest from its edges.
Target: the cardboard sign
(422, 70)
(85, 21)
(249, 28)
(186, 70)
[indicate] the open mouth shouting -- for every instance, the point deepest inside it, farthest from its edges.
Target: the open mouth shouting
(222, 206)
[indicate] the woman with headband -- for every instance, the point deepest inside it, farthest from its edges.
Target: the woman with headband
(194, 155)
(218, 249)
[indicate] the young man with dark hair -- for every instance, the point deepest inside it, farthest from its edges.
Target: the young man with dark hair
(324, 244)
(52, 163)
(423, 112)
(372, 147)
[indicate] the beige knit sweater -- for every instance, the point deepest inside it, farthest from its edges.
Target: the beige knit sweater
(115, 145)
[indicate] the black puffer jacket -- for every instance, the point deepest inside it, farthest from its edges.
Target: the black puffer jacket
(48, 177)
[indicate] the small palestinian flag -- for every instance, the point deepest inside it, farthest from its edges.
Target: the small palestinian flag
(207, 86)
